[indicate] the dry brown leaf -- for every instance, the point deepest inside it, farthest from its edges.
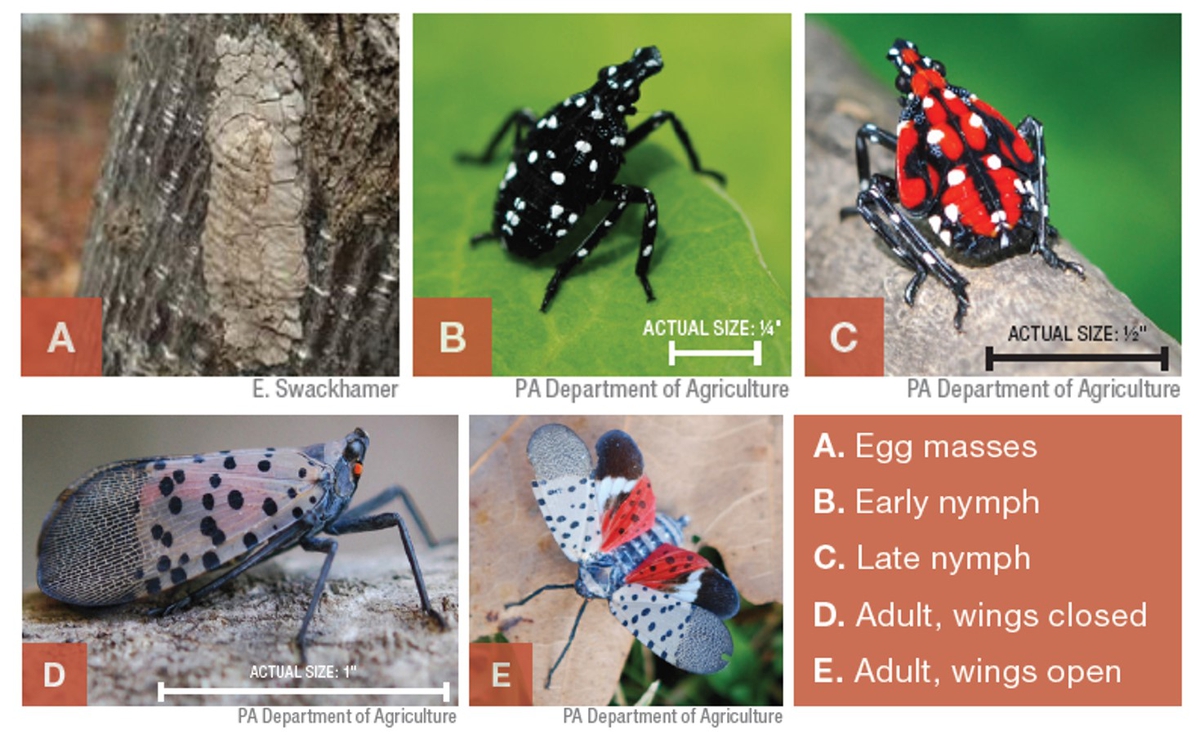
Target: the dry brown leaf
(723, 472)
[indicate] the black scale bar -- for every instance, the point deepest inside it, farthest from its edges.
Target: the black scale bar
(993, 357)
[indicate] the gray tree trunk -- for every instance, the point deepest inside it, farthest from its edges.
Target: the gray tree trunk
(247, 220)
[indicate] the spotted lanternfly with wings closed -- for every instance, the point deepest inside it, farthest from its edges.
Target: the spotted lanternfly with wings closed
(140, 527)
(604, 519)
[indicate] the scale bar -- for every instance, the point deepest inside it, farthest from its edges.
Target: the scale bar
(756, 353)
(164, 691)
(992, 357)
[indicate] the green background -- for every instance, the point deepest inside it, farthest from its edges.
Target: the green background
(728, 78)
(1109, 90)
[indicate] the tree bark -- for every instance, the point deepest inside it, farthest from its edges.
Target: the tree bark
(845, 258)
(247, 220)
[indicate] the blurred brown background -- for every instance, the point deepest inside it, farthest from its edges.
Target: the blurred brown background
(69, 67)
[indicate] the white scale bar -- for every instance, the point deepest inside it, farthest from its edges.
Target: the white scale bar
(756, 353)
(164, 690)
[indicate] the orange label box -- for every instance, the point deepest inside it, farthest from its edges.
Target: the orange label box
(452, 337)
(988, 560)
(54, 674)
(843, 337)
(501, 674)
(61, 336)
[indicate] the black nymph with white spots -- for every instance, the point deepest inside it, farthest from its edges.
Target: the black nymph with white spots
(566, 161)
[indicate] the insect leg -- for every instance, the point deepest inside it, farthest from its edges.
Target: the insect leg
(378, 523)
(910, 245)
(387, 496)
(522, 120)
(868, 133)
(570, 640)
(328, 547)
(654, 122)
(1031, 129)
(538, 591)
(622, 194)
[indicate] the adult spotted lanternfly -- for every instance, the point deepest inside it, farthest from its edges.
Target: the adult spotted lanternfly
(567, 161)
(604, 520)
(139, 527)
(977, 181)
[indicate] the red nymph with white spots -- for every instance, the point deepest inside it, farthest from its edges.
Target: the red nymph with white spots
(978, 181)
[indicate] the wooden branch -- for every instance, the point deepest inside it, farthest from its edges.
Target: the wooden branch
(846, 259)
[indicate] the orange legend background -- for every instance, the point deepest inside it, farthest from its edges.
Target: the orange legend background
(1107, 536)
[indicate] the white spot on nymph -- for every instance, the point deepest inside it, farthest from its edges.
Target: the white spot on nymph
(951, 212)
(556, 211)
(927, 102)
(956, 177)
(628, 83)
(949, 94)
(560, 233)
(647, 250)
(572, 217)
(512, 217)
(935, 222)
(1003, 239)
(618, 141)
(652, 223)
(612, 70)
(928, 258)
(583, 146)
(945, 235)
(519, 204)
(558, 177)
(975, 121)
(597, 114)
(1046, 210)
(552, 122)
(935, 136)
(550, 154)
(532, 156)
(993, 162)
(582, 254)
(894, 217)
(581, 100)
(620, 108)
(593, 165)
(608, 223)
(1019, 185)
(511, 171)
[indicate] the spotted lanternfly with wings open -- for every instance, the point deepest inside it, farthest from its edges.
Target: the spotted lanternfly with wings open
(604, 519)
(140, 527)
(567, 160)
(978, 182)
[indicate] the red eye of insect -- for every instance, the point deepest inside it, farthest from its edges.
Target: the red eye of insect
(358, 469)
